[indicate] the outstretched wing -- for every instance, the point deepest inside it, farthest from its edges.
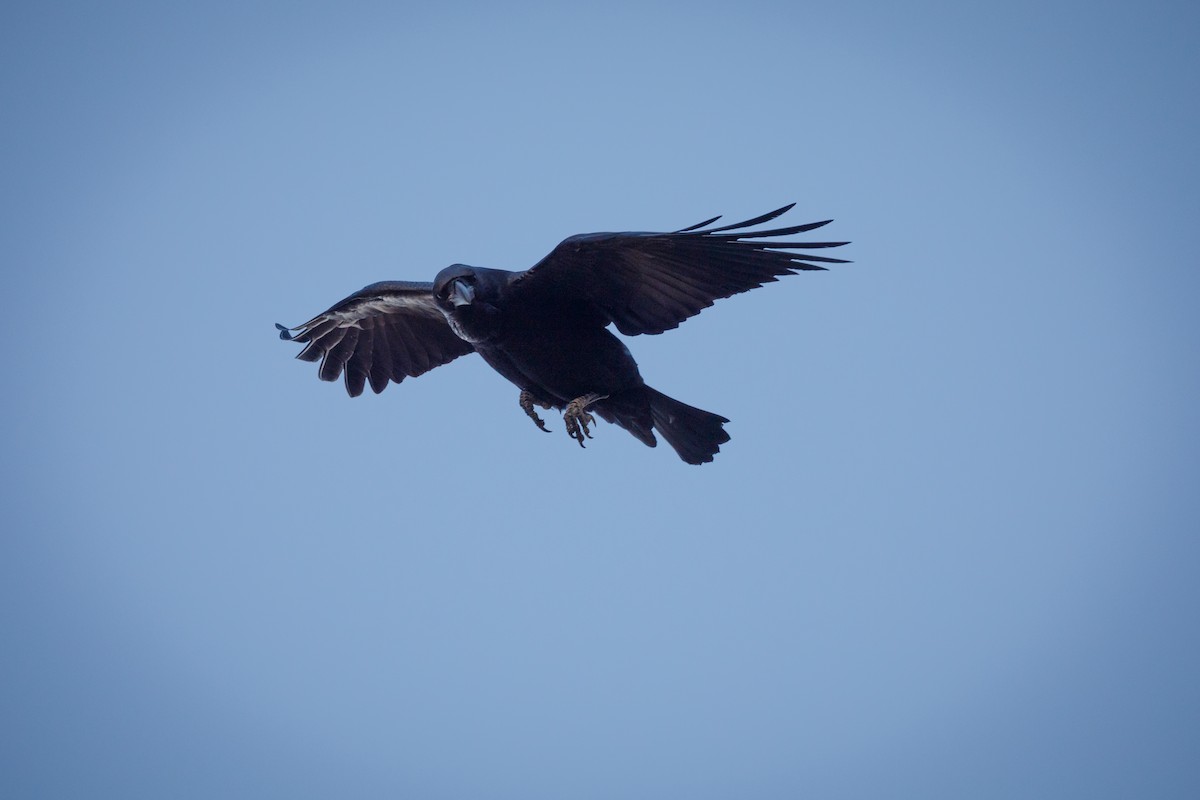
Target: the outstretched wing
(386, 331)
(651, 282)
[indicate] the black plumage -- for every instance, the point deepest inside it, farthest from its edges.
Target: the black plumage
(546, 329)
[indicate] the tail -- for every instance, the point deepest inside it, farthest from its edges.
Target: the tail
(696, 435)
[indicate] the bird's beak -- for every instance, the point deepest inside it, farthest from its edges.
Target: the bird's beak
(461, 293)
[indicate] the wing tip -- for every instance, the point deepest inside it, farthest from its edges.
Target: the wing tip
(748, 223)
(699, 225)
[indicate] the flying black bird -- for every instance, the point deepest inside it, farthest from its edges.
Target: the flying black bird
(546, 329)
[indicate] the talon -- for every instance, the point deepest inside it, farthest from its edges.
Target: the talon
(578, 419)
(527, 402)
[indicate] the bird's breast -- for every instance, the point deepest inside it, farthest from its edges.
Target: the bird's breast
(473, 324)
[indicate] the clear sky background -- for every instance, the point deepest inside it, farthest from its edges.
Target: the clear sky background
(951, 550)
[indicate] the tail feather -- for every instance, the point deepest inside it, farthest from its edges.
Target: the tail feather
(695, 434)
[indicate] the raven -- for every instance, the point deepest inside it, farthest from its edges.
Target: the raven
(546, 329)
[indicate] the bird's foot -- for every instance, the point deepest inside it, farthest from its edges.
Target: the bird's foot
(528, 401)
(577, 417)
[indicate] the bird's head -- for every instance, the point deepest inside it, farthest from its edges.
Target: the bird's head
(459, 287)
(454, 287)
(471, 299)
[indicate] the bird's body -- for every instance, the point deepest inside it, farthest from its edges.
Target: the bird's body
(550, 369)
(546, 329)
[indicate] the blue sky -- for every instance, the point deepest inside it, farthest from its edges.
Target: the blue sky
(950, 551)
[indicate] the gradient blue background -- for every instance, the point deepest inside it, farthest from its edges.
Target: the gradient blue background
(950, 552)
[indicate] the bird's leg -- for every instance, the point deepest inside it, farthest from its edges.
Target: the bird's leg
(577, 417)
(527, 403)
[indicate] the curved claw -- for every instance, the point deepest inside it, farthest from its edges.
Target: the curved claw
(578, 419)
(577, 426)
(527, 403)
